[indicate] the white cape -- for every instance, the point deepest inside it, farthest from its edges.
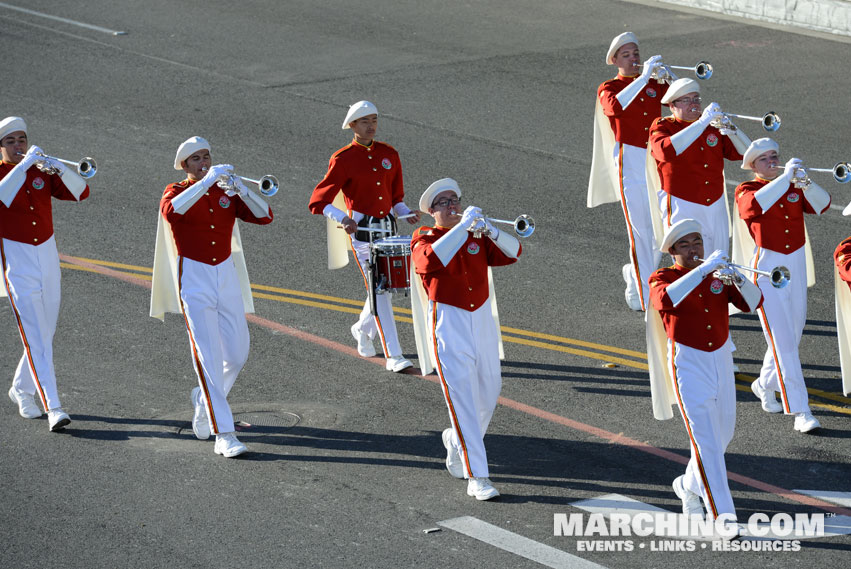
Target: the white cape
(843, 328)
(603, 183)
(164, 283)
(338, 240)
(419, 311)
(661, 382)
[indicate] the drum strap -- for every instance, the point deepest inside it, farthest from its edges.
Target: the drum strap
(388, 222)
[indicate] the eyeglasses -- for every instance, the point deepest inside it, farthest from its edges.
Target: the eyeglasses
(695, 100)
(446, 202)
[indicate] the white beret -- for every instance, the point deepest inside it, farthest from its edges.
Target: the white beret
(758, 147)
(12, 124)
(359, 110)
(619, 42)
(679, 88)
(679, 230)
(188, 148)
(442, 185)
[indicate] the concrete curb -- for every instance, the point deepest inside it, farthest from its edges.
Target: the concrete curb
(831, 16)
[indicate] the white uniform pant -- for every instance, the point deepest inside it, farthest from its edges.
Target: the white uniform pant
(706, 395)
(713, 219)
(211, 300)
(783, 315)
(644, 256)
(383, 324)
(467, 356)
(32, 279)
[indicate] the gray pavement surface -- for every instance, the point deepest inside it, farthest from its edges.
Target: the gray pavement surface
(346, 467)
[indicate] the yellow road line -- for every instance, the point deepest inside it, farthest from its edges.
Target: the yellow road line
(642, 365)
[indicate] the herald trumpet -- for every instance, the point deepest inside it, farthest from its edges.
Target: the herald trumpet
(524, 225)
(702, 70)
(841, 171)
(86, 168)
(770, 120)
(267, 185)
(778, 276)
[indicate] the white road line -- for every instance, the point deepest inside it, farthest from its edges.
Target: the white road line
(63, 20)
(841, 498)
(615, 504)
(517, 544)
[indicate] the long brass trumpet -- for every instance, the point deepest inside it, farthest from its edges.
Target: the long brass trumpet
(86, 168)
(524, 225)
(702, 70)
(841, 172)
(268, 185)
(770, 120)
(778, 276)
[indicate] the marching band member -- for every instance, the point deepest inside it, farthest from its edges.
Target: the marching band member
(31, 263)
(626, 107)
(773, 208)
(364, 178)
(453, 300)
(689, 155)
(696, 374)
(199, 271)
(842, 289)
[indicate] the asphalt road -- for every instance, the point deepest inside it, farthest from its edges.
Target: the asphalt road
(346, 467)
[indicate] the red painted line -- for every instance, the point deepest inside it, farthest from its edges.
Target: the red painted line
(615, 438)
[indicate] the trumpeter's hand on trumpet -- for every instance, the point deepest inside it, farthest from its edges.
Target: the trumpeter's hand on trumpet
(86, 167)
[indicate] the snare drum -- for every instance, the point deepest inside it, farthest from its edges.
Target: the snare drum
(392, 258)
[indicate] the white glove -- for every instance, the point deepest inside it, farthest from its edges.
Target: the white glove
(214, 173)
(470, 216)
(32, 156)
(792, 166)
(239, 189)
(651, 65)
(714, 261)
(490, 229)
(711, 113)
(728, 130)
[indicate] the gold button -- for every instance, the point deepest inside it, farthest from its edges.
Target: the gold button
(708, 200)
(212, 227)
(709, 344)
(645, 114)
(381, 197)
(706, 182)
(35, 240)
(211, 210)
(642, 100)
(706, 165)
(214, 259)
(380, 213)
(701, 148)
(787, 246)
(645, 128)
(212, 242)
(700, 294)
(28, 191)
(207, 193)
(781, 205)
(369, 156)
(706, 310)
(787, 231)
(375, 169)
(472, 305)
(31, 208)
(709, 326)
(470, 288)
(33, 222)
(786, 216)
(377, 183)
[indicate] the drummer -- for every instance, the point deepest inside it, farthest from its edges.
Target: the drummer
(364, 178)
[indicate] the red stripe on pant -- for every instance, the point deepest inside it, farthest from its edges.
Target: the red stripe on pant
(369, 292)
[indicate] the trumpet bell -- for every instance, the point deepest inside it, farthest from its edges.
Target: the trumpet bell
(780, 277)
(842, 172)
(268, 185)
(87, 167)
(524, 226)
(771, 121)
(703, 70)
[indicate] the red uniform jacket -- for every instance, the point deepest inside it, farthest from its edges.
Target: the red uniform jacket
(464, 282)
(696, 175)
(781, 228)
(29, 218)
(369, 177)
(632, 126)
(842, 258)
(701, 321)
(204, 232)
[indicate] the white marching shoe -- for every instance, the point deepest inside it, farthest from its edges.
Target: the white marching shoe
(229, 446)
(58, 419)
(481, 489)
(805, 422)
(631, 294)
(769, 401)
(27, 407)
(690, 500)
(365, 347)
(397, 364)
(453, 457)
(200, 423)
